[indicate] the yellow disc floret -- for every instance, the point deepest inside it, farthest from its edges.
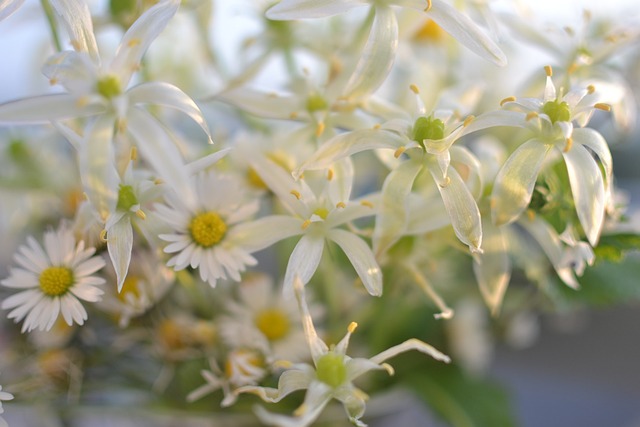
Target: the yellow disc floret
(273, 323)
(207, 229)
(55, 281)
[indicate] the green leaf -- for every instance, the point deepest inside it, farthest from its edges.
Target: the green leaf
(612, 247)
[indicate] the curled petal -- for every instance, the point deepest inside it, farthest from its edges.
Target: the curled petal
(411, 344)
(514, 184)
(594, 141)
(361, 258)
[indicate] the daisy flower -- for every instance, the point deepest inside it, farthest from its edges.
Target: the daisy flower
(264, 319)
(52, 281)
(203, 236)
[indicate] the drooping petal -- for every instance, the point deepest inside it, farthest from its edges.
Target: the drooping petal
(97, 166)
(468, 166)
(463, 29)
(313, 405)
(588, 191)
(462, 209)
(7, 7)
(303, 261)
(119, 245)
(391, 221)
(354, 403)
(492, 268)
(160, 151)
(256, 235)
(303, 9)
(139, 36)
(76, 17)
(289, 381)
(167, 95)
(514, 184)
(411, 344)
(361, 257)
(347, 144)
(46, 108)
(596, 142)
(377, 57)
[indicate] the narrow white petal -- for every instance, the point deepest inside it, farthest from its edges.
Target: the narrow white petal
(282, 184)
(159, 150)
(303, 261)
(139, 36)
(496, 118)
(412, 344)
(588, 191)
(492, 268)
(205, 162)
(596, 142)
(8, 7)
(302, 9)
(76, 17)
(377, 56)
(341, 182)
(466, 32)
(514, 183)
(362, 259)
(46, 108)
(167, 95)
(391, 222)
(317, 347)
(264, 232)
(119, 245)
(262, 104)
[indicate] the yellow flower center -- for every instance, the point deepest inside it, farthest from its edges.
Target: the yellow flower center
(430, 31)
(56, 281)
(109, 86)
(207, 229)
(273, 323)
(331, 369)
(322, 212)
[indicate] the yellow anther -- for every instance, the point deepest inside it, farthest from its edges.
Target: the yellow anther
(341, 205)
(399, 152)
(103, 235)
(428, 8)
(320, 129)
(468, 120)
(531, 115)
(306, 224)
(140, 214)
(591, 89)
(133, 42)
(352, 327)
(602, 106)
(293, 115)
(445, 182)
(572, 68)
(507, 99)
(568, 145)
(548, 70)
(367, 204)
(133, 154)
(53, 81)
(158, 181)
(376, 126)
(296, 193)
(329, 174)
(82, 101)
(414, 89)
(76, 45)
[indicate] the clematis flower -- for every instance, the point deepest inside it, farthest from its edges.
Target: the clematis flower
(551, 120)
(317, 216)
(98, 92)
(330, 377)
(379, 52)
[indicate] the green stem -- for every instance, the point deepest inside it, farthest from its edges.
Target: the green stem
(53, 26)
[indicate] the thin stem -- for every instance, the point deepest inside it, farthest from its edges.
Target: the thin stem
(53, 26)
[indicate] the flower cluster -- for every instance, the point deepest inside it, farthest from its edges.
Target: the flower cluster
(353, 159)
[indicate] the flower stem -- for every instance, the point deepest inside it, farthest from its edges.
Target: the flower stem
(53, 26)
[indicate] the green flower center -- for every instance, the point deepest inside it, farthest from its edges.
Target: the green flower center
(315, 102)
(331, 369)
(109, 86)
(207, 229)
(557, 111)
(126, 198)
(322, 212)
(273, 323)
(427, 128)
(55, 281)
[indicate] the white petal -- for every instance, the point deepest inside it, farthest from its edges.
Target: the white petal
(361, 258)
(514, 184)
(377, 57)
(45, 108)
(341, 182)
(119, 245)
(262, 104)
(492, 268)
(76, 17)
(588, 191)
(7, 7)
(139, 36)
(264, 232)
(391, 222)
(411, 344)
(317, 347)
(205, 162)
(598, 144)
(496, 118)
(167, 95)
(302, 9)
(160, 151)
(282, 184)
(303, 261)
(465, 31)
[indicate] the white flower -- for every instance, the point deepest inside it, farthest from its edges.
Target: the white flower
(4, 396)
(100, 94)
(53, 281)
(205, 236)
(551, 119)
(8, 7)
(330, 377)
(265, 320)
